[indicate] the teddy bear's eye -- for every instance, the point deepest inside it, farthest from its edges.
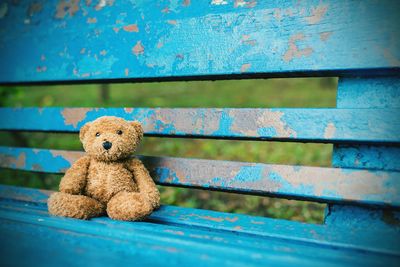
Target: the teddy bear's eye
(97, 134)
(119, 132)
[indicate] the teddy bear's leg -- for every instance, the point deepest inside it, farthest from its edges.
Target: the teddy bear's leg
(74, 206)
(128, 206)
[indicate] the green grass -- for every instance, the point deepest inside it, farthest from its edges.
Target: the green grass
(310, 92)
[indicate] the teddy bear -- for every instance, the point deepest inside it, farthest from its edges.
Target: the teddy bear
(107, 179)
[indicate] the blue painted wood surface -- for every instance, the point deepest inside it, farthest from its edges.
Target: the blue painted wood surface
(373, 92)
(178, 235)
(313, 125)
(189, 39)
(386, 158)
(299, 182)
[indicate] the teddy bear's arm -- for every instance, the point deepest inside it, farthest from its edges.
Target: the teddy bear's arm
(144, 182)
(74, 179)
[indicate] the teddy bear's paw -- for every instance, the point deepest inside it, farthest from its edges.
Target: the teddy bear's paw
(128, 206)
(74, 206)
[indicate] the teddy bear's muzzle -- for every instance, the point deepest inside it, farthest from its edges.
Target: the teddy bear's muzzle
(107, 145)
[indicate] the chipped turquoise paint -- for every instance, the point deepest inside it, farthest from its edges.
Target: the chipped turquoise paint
(306, 189)
(184, 228)
(300, 182)
(225, 123)
(371, 157)
(368, 93)
(267, 131)
(314, 125)
(248, 174)
(166, 175)
(31, 159)
(157, 40)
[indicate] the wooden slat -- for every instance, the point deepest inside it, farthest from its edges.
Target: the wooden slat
(120, 40)
(297, 182)
(374, 92)
(309, 125)
(186, 226)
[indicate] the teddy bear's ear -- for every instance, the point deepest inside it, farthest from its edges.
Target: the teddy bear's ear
(138, 128)
(83, 131)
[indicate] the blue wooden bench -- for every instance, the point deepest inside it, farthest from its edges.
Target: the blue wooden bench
(72, 41)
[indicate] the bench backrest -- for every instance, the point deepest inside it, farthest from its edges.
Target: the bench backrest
(77, 42)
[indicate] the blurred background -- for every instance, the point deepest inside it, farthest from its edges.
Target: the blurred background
(288, 93)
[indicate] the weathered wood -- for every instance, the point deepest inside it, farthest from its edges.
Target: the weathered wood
(309, 125)
(183, 228)
(189, 40)
(298, 182)
(366, 93)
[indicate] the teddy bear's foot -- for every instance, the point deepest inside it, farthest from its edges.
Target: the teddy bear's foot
(128, 206)
(74, 206)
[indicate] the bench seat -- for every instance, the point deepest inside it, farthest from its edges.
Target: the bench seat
(80, 42)
(184, 236)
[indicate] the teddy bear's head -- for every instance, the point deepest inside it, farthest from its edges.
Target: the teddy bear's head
(110, 138)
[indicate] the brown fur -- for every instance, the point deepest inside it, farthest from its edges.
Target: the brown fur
(107, 180)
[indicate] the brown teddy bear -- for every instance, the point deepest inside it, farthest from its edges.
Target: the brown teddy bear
(107, 178)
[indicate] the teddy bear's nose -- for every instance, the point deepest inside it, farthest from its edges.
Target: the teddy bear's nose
(107, 145)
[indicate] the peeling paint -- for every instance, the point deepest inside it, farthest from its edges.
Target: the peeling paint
(102, 3)
(128, 110)
(218, 2)
(41, 68)
(70, 156)
(210, 218)
(73, 116)
(336, 181)
(246, 40)
(245, 67)
(11, 160)
(293, 50)
(324, 36)
(223, 28)
(91, 20)
(65, 7)
(232, 220)
(165, 10)
(305, 182)
(239, 3)
(273, 119)
(330, 131)
(317, 13)
(277, 14)
(172, 22)
(131, 28)
(257, 222)
(251, 3)
(126, 71)
(160, 44)
(174, 232)
(138, 49)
